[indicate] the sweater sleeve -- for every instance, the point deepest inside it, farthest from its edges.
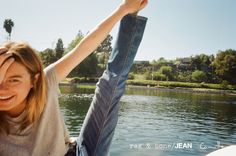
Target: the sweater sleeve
(52, 79)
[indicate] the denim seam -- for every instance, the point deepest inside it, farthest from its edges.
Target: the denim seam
(132, 38)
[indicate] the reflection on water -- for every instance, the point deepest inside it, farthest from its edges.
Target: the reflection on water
(159, 123)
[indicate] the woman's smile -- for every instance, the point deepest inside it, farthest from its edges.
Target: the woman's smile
(4, 100)
(5, 97)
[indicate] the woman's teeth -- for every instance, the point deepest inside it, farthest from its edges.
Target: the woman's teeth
(4, 97)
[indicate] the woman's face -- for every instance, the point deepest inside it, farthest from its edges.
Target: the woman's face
(14, 89)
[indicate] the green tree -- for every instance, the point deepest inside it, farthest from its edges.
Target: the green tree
(184, 76)
(89, 66)
(225, 65)
(74, 42)
(59, 50)
(141, 67)
(104, 50)
(131, 76)
(159, 76)
(157, 64)
(47, 56)
(148, 75)
(8, 25)
(167, 71)
(201, 62)
(199, 76)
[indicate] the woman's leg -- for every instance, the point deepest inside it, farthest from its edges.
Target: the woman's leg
(100, 122)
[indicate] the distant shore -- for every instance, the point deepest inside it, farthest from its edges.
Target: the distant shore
(167, 89)
(182, 89)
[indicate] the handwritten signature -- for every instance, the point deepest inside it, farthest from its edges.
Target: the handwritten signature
(204, 146)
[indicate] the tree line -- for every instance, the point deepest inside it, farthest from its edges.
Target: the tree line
(202, 68)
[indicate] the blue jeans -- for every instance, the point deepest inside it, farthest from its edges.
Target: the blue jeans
(100, 122)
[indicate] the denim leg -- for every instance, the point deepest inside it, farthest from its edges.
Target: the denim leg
(100, 122)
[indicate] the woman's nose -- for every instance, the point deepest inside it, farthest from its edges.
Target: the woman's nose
(3, 86)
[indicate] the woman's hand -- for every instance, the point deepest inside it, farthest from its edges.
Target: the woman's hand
(5, 62)
(133, 6)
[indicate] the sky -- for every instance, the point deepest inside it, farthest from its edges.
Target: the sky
(175, 28)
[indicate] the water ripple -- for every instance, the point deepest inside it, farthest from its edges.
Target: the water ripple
(163, 118)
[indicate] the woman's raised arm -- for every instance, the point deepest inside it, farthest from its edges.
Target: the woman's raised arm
(92, 40)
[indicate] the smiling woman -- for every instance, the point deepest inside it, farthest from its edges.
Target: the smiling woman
(23, 87)
(31, 122)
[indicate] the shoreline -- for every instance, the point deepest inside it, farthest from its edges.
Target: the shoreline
(187, 90)
(167, 89)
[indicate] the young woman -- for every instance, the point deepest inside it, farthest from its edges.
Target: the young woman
(31, 123)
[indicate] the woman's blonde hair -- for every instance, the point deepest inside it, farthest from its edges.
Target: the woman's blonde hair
(36, 99)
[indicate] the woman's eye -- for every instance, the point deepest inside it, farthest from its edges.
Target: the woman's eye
(14, 80)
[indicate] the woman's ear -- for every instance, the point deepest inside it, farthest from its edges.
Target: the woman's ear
(35, 80)
(36, 77)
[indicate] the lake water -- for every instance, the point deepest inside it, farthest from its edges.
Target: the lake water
(161, 123)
